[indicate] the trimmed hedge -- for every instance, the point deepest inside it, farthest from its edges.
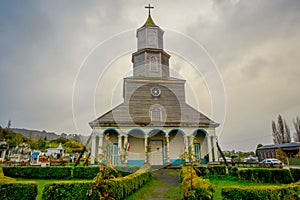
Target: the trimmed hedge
(295, 173)
(85, 172)
(261, 175)
(90, 172)
(118, 188)
(210, 170)
(195, 187)
(12, 190)
(291, 191)
(38, 172)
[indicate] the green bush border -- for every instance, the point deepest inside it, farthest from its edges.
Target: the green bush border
(262, 175)
(18, 190)
(291, 191)
(119, 188)
(35, 172)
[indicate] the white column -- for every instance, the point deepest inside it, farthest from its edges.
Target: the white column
(119, 149)
(146, 149)
(185, 143)
(93, 148)
(214, 139)
(192, 148)
(168, 150)
(125, 147)
(209, 148)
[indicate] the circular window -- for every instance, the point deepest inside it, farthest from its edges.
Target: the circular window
(155, 92)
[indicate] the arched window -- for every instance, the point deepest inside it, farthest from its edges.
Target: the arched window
(156, 114)
(153, 64)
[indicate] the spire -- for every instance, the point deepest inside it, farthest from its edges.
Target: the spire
(149, 21)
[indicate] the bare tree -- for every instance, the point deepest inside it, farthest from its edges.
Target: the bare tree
(281, 132)
(297, 128)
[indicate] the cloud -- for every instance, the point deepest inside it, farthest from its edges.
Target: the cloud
(254, 44)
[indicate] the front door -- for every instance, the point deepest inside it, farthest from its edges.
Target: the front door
(156, 155)
(112, 154)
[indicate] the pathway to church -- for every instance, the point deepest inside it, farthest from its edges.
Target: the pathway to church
(170, 181)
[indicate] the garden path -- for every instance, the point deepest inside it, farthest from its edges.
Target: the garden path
(169, 179)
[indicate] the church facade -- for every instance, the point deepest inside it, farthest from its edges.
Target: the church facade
(154, 124)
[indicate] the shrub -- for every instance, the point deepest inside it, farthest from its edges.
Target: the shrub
(195, 187)
(201, 170)
(117, 188)
(18, 190)
(38, 172)
(291, 191)
(85, 172)
(233, 171)
(217, 170)
(295, 173)
(266, 175)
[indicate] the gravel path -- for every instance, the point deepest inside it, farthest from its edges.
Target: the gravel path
(169, 179)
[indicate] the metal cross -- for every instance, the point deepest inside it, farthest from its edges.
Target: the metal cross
(149, 7)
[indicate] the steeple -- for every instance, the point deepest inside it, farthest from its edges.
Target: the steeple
(149, 21)
(150, 60)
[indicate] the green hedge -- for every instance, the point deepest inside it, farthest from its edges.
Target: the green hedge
(210, 170)
(295, 173)
(38, 172)
(294, 161)
(90, 172)
(291, 191)
(11, 190)
(85, 172)
(117, 188)
(195, 187)
(261, 175)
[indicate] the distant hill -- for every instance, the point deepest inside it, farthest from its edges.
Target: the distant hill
(36, 134)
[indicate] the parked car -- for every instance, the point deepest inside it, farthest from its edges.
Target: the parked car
(271, 162)
(228, 160)
(251, 159)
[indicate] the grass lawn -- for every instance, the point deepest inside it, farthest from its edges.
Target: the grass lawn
(220, 182)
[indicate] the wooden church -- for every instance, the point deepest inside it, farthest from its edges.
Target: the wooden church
(154, 124)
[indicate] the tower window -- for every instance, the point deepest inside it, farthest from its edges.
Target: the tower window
(156, 114)
(153, 64)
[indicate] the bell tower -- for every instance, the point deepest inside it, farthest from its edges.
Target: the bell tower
(150, 60)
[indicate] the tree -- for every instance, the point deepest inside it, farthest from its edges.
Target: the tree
(297, 128)
(280, 155)
(281, 132)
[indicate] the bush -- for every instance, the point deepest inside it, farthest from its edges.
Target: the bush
(233, 171)
(266, 175)
(117, 188)
(38, 172)
(68, 190)
(217, 170)
(195, 187)
(18, 190)
(295, 173)
(201, 170)
(291, 191)
(85, 172)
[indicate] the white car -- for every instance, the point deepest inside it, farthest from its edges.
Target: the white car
(251, 159)
(227, 160)
(271, 162)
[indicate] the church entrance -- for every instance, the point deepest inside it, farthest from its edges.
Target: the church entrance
(157, 155)
(112, 154)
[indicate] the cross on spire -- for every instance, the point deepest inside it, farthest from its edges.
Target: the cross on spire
(149, 7)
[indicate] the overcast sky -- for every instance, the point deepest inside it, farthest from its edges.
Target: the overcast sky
(62, 62)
